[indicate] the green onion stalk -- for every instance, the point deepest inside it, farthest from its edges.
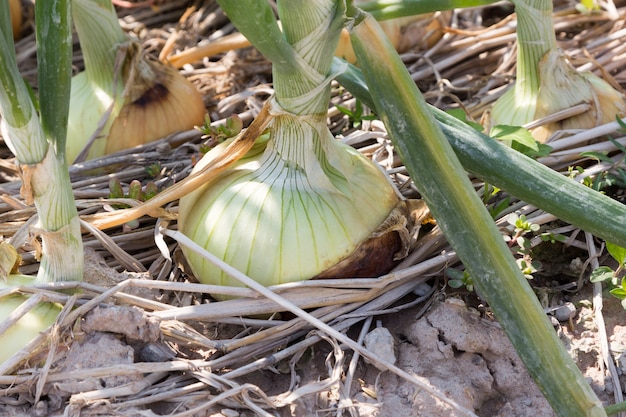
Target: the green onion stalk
(299, 201)
(469, 228)
(38, 142)
(546, 82)
(532, 181)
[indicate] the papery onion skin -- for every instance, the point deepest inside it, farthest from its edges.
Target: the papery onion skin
(168, 105)
(172, 104)
(123, 98)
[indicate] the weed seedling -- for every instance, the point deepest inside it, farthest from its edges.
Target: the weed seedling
(615, 277)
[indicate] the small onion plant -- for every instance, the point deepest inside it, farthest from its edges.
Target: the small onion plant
(546, 82)
(37, 139)
(299, 201)
(123, 98)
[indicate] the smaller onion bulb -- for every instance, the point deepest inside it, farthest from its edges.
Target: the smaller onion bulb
(158, 102)
(30, 325)
(562, 87)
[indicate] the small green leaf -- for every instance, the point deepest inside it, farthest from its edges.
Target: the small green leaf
(462, 116)
(617, 252)
(499, 208)
(618, 145)
(150, 190)
(134, 190)
(514, 134)
(620, 122)
(115, 188)
(541, 151)
(618, 293)
(455, 283)
(599, 156)
(454, 274)
(154, 169)
(602, 273)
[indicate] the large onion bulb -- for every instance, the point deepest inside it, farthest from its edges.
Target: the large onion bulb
(297, 204)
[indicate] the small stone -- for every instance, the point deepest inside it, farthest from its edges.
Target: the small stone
(565, 312)
(382, 344)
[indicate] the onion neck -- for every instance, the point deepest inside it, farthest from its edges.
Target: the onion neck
(535, 36)
(100, 36)
(312, 28)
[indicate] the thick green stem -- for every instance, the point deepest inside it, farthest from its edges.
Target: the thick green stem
(312, 28)
(16, 107)
(54, 52)
(256, 21)
(59, 225)
(467, 225)
(533, 182)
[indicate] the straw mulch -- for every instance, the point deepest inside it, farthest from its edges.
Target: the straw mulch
(163, 345)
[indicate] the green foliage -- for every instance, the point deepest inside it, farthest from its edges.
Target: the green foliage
(528, 266)
(588, 7)
(613, 176)
(135, 190)
(521, 223)
(551, 237)
(154, 170)
(356, 116)
(462, 116)
(217, 134)
(521, 140)
(460, 279)
(615, 278)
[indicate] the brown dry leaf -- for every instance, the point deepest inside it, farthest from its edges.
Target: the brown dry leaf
(9, 260)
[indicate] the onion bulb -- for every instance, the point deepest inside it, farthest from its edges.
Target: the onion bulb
(546, 82)
(562, 87)
(123, 98)
(298, 203)
(24, 330)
